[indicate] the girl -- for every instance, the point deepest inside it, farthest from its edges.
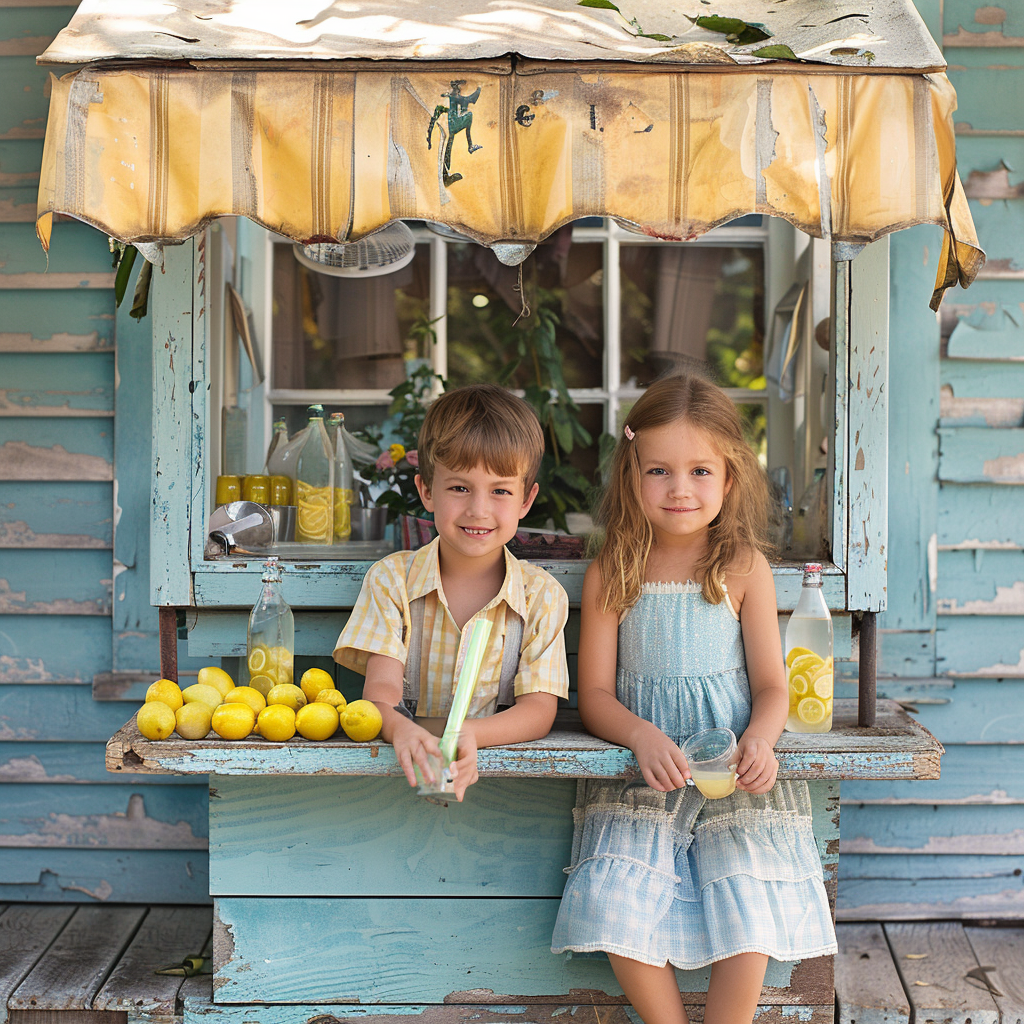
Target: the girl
(680, 633)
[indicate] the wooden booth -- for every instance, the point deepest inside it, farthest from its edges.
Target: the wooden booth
(338, 893)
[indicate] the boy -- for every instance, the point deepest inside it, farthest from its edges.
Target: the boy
(479, 451)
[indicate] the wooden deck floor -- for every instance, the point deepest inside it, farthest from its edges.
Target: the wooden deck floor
(93, 964)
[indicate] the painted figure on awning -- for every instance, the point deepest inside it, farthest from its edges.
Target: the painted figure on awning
(460, 118)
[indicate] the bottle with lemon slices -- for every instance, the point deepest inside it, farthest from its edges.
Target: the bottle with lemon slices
(314, 484)
(344, 495)
(809, 664)
(270, 646)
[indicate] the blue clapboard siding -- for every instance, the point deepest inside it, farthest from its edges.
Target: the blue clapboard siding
(59, 712)
(924, 829)
(70, 763)
(52, 649)
(115, 876)
(981, 582)
(981, 646)
(973, 517)
(79, 321)
(53, 815)
(57, 384)
(57, 514)
(56, 449)
(63, 582)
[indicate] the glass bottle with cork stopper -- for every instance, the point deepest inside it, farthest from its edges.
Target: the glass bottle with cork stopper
(809, 662)
(270, 643)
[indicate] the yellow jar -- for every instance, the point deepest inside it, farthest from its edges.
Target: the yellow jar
(256, 487)
(280, 490)
(229, 488)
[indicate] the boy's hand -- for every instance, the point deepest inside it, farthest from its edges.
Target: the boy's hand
(757, 765)
(661, 761)
(412, 744)
(464, 772)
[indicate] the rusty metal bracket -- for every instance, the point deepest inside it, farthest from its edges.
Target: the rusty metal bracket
(169, 643)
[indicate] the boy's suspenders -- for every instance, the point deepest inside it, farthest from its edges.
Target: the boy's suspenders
(509, 659)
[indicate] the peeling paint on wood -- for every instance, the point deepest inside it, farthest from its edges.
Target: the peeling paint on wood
(974, 412)
(22, 461)
(60, 342)
(56, 280)
(980, 517)
(71, 763)
(981, 455)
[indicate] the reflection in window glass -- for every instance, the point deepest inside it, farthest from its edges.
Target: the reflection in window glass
(340, 332)
(484, 305)
(693, 306)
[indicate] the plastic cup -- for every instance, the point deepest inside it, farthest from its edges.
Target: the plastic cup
(711, 756)
(443, 784)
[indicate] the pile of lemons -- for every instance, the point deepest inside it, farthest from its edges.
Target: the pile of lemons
(810, 685)
(315, 709)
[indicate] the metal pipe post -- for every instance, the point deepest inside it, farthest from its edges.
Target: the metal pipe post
(868, 672)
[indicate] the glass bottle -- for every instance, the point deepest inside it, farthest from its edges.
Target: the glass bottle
(314, 483)
(344, 495)
(270, 644)
(809, 664)
(281, 461)
(280, 438)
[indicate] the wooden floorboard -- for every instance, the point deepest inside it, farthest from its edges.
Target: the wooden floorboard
(935, 962)
(79, 961)
(1000, 953)
(167, 936)
(868, 987)
(26, 931)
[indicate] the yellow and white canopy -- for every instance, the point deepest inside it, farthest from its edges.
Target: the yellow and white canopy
(504, 119)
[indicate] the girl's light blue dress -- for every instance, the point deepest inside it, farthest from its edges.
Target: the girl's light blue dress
(672, 877)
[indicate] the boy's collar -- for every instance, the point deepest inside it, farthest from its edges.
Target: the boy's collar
(424, 576)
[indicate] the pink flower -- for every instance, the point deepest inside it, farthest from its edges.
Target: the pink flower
(413, 458)
(384, 461)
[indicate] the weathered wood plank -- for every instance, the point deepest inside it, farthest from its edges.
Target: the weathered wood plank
(83, 320)
(388, 951)
(973, 774)
(167, 935)
(57, 385)
(837, 470)
(513, 837)
(76, 247)
(1000, 953)
(41, 514)
(198, 990)
(1002, 340)
(973, 516)
(200, 1011)
(981, 455)
(97, 876)
(70, 582)
(868, 989)
(104, 817)
(25, 933)
(981, 583)
(79, 960)
(132, 686)
(28, 653)
(170, 579)
(72, 763)
(965, 830)
(24, 88)
(57, 712)
(897, 748)
(904, 653)
(981, 107)
(868, 410)
(884, 887)
(55, 449)
(980, 379)
(938, 984)
(979, 412)
(991, 646)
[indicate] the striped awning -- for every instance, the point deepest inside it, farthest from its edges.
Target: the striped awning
(506, 151)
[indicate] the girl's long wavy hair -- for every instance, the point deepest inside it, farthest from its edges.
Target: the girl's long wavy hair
(738, 530)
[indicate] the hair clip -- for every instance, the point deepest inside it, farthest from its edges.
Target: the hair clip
(629, 433)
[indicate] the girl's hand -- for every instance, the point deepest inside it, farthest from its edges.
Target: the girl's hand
(464, 771)
(412, 745)
(757, 766)
(662, 763)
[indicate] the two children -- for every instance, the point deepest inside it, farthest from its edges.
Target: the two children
(679, 633)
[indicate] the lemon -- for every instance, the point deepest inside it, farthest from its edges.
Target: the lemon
(166, 692)
(259, 657)
(288, 694)
(276, 723)
(216, 677)
(233, 721)
(262, 685)
(811, 711)
(155, 720)
(806, 663)
(313, 681)
(315, 520)
(192, 721)
(202, 692)
(795, 653)
(333, 697)
(317, 721)
(799, 684)
(247, 695)
(823, 685)
(361, 720)
(279, 664)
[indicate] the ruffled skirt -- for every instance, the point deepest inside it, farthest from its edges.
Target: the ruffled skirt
(673, 878)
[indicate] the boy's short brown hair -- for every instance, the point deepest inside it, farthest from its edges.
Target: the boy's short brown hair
(481, 423)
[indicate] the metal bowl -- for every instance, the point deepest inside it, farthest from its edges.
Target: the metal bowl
(369, 523)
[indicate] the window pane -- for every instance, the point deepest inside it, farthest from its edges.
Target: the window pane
(484, 304)
(697, 306)
(340, 332)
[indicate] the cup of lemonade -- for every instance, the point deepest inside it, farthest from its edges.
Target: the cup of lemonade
(711, 755)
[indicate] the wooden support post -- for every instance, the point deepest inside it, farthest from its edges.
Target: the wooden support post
(867, 673)
(169, 643)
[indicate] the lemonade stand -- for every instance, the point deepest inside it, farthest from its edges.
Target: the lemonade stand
(338, 893)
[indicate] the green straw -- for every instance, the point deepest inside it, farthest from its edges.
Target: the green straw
(464, 688)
